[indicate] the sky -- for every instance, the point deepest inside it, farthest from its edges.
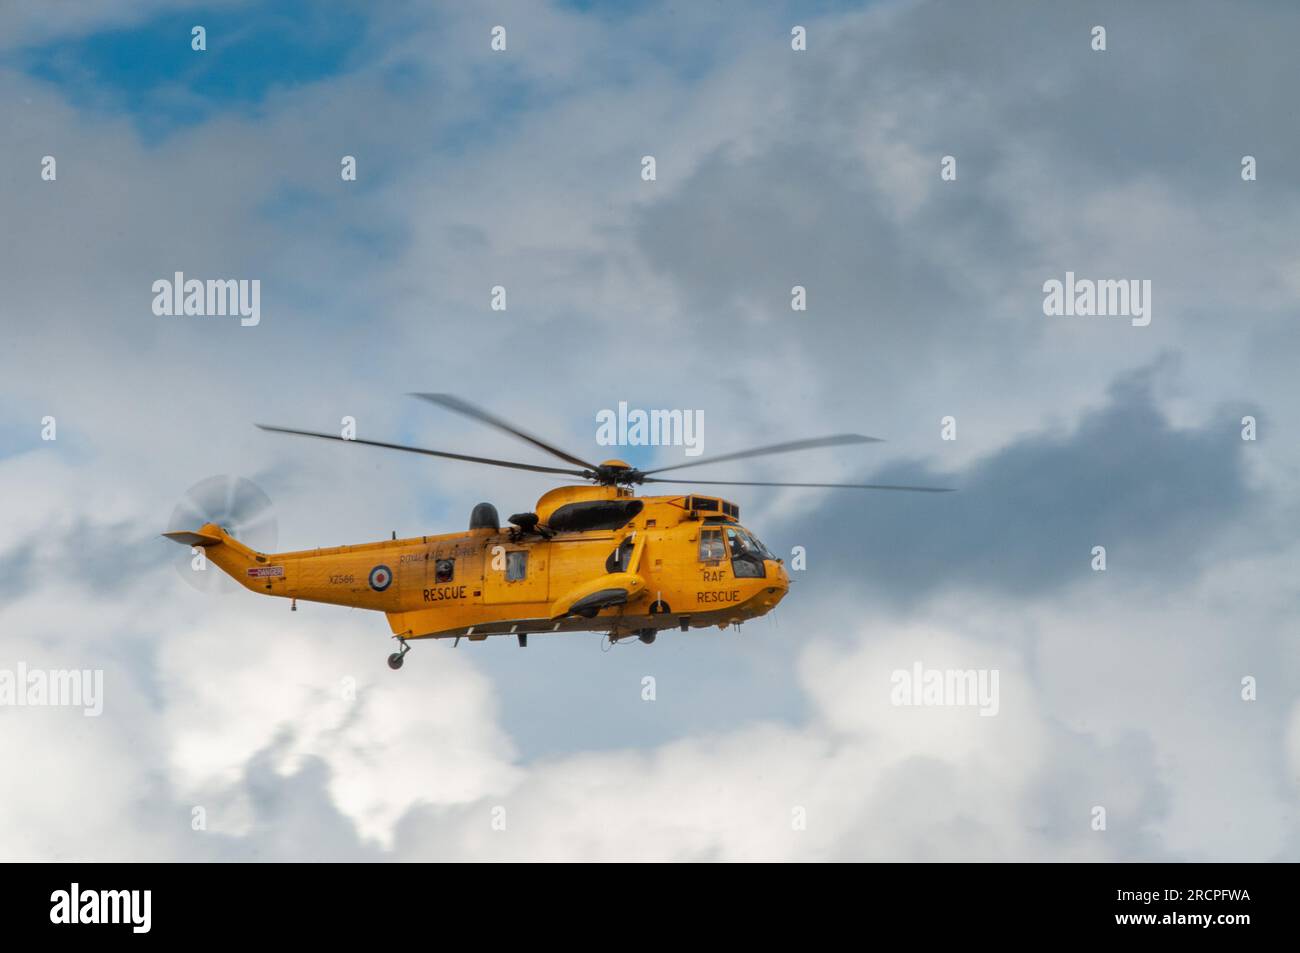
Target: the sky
(1163, 690)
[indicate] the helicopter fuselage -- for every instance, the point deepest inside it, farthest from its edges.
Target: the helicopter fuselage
(591, 558)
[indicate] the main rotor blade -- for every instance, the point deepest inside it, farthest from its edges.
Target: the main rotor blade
(840, 486)
(835, 440)
(431, 453)
(482, 416)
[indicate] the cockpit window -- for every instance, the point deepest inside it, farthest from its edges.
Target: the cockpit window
(747, 554)
(758, 545)
(743, 541)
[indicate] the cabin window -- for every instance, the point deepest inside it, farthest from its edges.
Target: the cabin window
(516, 565)
(621, 556)
(444, 570)
(711, 548)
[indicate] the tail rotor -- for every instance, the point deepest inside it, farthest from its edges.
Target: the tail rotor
(237, 505)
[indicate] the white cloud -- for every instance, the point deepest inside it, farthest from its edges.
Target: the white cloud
(243, 682)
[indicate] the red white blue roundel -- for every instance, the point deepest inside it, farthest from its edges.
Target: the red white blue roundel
(380, 578)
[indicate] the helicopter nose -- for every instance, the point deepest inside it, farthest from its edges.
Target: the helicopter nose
(777, 584)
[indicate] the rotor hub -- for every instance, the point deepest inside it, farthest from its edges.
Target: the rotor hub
(616, 473)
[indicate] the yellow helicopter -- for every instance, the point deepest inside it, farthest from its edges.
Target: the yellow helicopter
(591, 557)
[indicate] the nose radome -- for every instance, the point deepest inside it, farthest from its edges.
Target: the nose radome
(778, 586)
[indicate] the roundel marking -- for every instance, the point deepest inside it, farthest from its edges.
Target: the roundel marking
(380, 578)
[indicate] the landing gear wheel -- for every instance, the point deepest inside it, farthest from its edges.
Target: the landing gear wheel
(647, 635)
(397, 658)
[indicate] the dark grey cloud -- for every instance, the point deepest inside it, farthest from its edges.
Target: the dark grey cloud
(1125, 162)
(1123, 777)
(293, 818)
(1181, 92)
(104, 556)
(742, 231)
(1025, 519)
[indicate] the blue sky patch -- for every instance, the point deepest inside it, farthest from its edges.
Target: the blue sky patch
(150, 71)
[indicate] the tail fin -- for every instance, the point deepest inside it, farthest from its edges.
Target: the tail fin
(230, 554)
